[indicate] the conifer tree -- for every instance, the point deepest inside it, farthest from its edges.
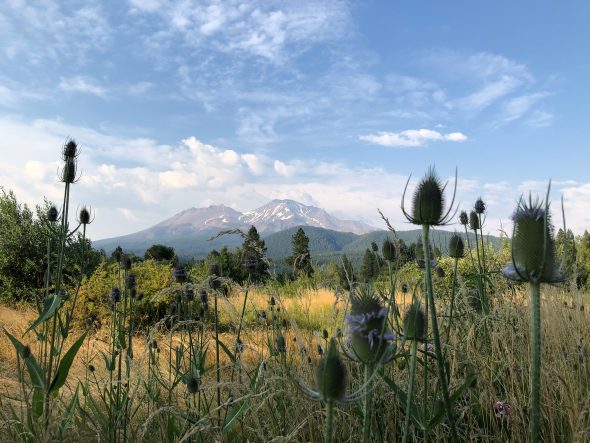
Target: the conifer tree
(300, 259)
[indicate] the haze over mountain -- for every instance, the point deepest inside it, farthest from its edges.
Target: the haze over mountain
(189, 230)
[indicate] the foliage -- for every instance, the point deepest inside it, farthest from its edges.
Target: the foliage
(300, 258)
(160, 252)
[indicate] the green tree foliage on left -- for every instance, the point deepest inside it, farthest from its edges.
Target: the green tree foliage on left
(254, 258)
(23, 249)
(300, 259)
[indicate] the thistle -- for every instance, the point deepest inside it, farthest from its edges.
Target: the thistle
(388, 250)
(479, 206)
(456, 247)
(474, 221)
(534, 261)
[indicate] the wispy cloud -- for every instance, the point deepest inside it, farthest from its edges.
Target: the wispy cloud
(82, 85)
(412, 138)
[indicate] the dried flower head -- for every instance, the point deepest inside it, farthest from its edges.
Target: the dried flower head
(474, 221)
(126, 262)
(179, 274)
(70, 150)
(192, 384)
(463, 218)
(116, 295)
(533, 246)
(480, 206)
(456, 246)
(428, 202)
(415, 323)
(388, 250)
(331, 375)
(68, 172)
(52, 214)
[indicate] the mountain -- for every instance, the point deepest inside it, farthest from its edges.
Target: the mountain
(189, 231)
(278, 215)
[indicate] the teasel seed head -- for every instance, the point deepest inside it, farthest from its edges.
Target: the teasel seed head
(52, 214)
(189, 294)
(203, 296)
(70, 150)
(415, 323)
(473, 221)
(440, 272)
(116, 295)
(68, 172)
(331, 376)
(388, 250)
(325, 334)
(130, 281)
(479, 206)
(26, 351)
(91, 368)
(281, 344)
(126, 262)
(428, 200)
(463, 218)
(192, 384)
(374, 247)
(84, 216)
(533, 247)
(456, 246)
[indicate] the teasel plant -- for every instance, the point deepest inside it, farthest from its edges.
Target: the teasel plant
(428, 209)
(48, 366)
(534, 261)
(369, 342)
(331, 379)
(456, 252)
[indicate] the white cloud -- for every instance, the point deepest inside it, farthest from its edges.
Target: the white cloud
(82, 85)
(517, 107)
(412, 138)
(284, 169)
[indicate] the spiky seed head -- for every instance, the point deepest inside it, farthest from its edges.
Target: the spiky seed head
(479, 206)
(52, 214)
(84, 216)
(281, 344)
(533, 245)
(68, 173)
(464, 218)
(26, 351)
(126, 262)
(130, 281)
(428, 201)
(140, 296)
(331, 374)
(440, 272)
(116, 295)
(192, 384)
(388, 250)
(456, 246)
(189, 294)
(91, 368)
(473, 221)
(415, 323)
(262, 315)
(117, 254)
(70, 150)
(203, 296)
(374, 247)
(154, 344)
(133, 292)
(325, 334)
(405, 288)
(179, 274)
(272, 301)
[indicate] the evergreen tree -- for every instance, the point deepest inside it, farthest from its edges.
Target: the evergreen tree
(370, 266)
(254, 256)
(160, 252)
(300, 259)
(345, 272)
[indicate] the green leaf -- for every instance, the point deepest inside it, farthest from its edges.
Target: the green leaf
(109, 362)
(37, 406)
(65, 365)
(415, 413)
(439, 411)
(51, 305)
(233, 414)
(231, 356)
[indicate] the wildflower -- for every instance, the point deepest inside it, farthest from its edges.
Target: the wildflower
(68, 173)
(428, 202)
(464, 218)
(366, 322)
(70, 150)
(502, 409)
(473, 221)
(440, 272)
(331, 375)
(281, 344)
(26, 351)
(203, 296)
(91, 368)
(52, 214)
(189, 294)
(262, 315)
(192, 384)
(126, 262)
(480, 206)
(239, 346)
(405, 288)
(415, 323)
(84, 216)
(388, 249)
(456, 246)
(325, 334)
(116, 295)
(533, 247)
(130, 281)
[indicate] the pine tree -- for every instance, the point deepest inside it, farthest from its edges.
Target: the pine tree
(370, 266)
(254, 256)
(300, 259)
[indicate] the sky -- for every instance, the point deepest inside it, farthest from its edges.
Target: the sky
(180, 104)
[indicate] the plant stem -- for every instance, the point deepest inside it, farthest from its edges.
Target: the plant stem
(454, 288)
(536, 360)
(368, 404)
(328, 437)
(437, 346)
(217, 366)
(410, 390)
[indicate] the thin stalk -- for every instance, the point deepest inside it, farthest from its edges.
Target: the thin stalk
(410, 390)
(217, 365)
(536, 361)
(368, 403)
(437, 346)
(328, 433)
(238, 351)
(453, 290)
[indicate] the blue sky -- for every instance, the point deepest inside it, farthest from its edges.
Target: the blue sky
(332, 103)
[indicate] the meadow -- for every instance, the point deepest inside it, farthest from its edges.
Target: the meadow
(474, 344)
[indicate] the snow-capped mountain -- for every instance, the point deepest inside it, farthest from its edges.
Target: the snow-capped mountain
(283, 214)
(201, 219)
